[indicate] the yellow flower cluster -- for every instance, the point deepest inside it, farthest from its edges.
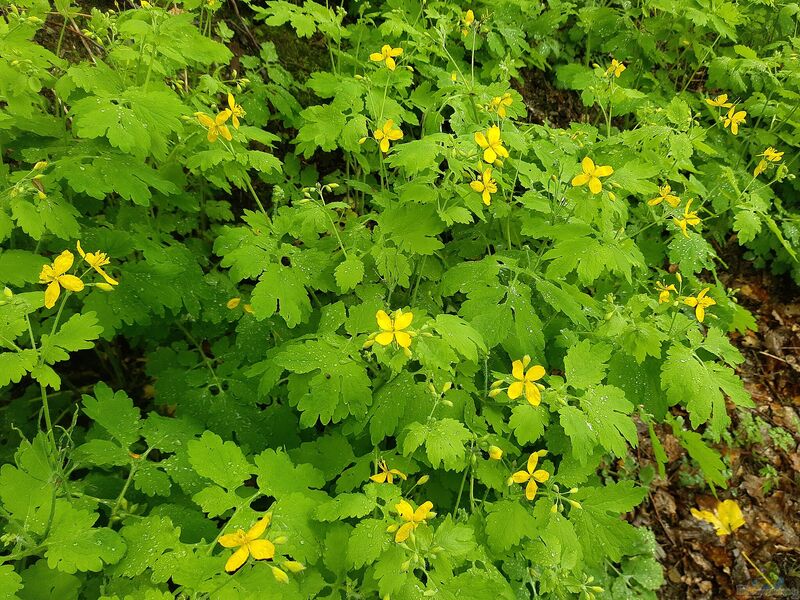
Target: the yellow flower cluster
(56, 276)
(217, 126)
(249, 543)
(770, 156)
(734, 117)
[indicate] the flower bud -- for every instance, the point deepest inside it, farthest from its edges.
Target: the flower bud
(106, 287)
(281, 539)
(41, 195)
(392, 528)
(8, 293)
(447, 387)
(40, 166)
(280, 575)
(494, 392)
(575, 504)
(448, 403)
(554, 508)
(423, 480)
(233, 303)
(294, 566)
(248, 308)
(495, 453)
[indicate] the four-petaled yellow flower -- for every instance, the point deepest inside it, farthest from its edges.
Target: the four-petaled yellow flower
(387, 475)
(485, 186)
(665, 193)
(469, 19)
(499, 104)
(492, 144)
(720, 101)
(56, 277)
(733, 119)
(726, 518)
(664, 292)
(247, 544)
(591, 175)
(616, 68)
(413, 518)
(532, 476)
(216, 126)
(700, 303)
(97, 260)
(387, 133)
(387, 55)
(770, 156)
(524, 383)
(392, 328)
(689, 218)
(236, 110)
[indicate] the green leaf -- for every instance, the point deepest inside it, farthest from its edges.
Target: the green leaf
(444, 441)
(75, 545)
(76, 334)
(368, 540)
(460, 335)
(345, 506)
(221, 462)
(608, 415)
(114, 412)
(349, 273)
(280, 290)
(585, 364)
(278, 476)
(10, 583)
(528, 422)
(507, 524)
(576, 426)
(14, 365)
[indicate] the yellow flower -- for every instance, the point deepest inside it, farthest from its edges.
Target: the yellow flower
(733, 119)
(689, 218)
(216, 126)
(97, 260)
(386, 134)
(664, 292)
(55, 276)
(495, 453)
(492, 144)
(772, 155)
(531, 475)
(413, 518)
(468, 20)
(700, 303)
(236, 110)
(499, 104)
(247, 544)
(524, 383)
(665, 193)
(760, 168)
(233, 303)
(616, 68)
(392, 328)
(720, 101)
(387, 475)
(387, 55)
(485, 186)
(726, 518)
(591, 175)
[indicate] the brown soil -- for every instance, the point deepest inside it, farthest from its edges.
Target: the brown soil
(762, 452)
(545, 102)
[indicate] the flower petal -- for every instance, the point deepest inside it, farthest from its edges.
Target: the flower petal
(422, 511)
(404, 509)
(587, 164)
(402, 319)
(384, 338)
(404, 532)
(390, 63)
(71, 283)
(384, 320)
(520, 477)
(535, 373)
(480, 139)
(477, 186)
(379, 477)
(262, 549)
(237, 559)
(493, 135)
(515, 390)
(595, 186)
(257, 530)
(533, 460)
(403, 339)
(51, 294)
(63, 263)
(603, 171)
(580, 179)
(230, 540)
(532, 394)
(530, 489)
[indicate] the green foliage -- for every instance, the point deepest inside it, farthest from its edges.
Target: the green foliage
(216, 366)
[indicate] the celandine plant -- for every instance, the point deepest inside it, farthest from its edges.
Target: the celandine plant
(351, 325)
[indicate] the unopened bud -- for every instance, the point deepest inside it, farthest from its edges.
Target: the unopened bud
(8, 293)
(281, 539)
(423, 480)
(248, 308)
(233, 303)
(495, 453)
(40, 166)
(106, 287)
(447, 403)
(495, 392)
(447, 386)
(293, 566)
(41, 195)
(575, 504)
